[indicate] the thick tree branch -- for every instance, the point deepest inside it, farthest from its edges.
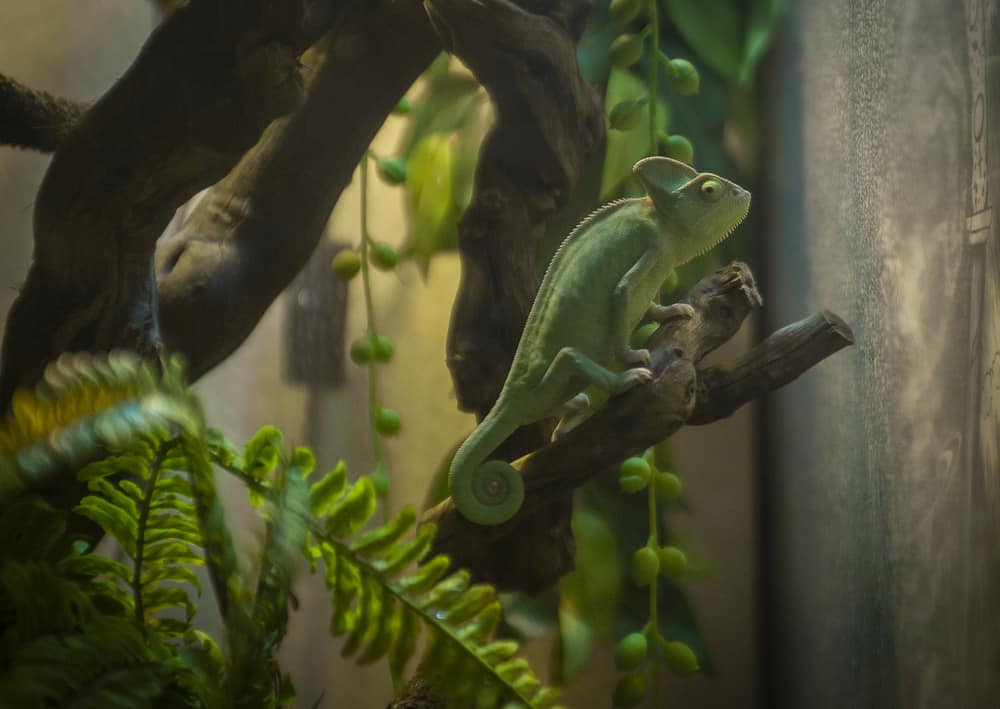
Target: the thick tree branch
(34, 119)
(630, 423)
(202, 89)
(255, 229)
(772, 364)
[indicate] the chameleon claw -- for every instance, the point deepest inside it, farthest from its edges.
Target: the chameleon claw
(662, 313)
(632, 378)
(640, 357)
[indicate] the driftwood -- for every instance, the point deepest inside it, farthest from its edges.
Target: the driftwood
(207, 82)
(210, 79)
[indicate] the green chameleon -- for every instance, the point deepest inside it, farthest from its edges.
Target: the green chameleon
(597, 288)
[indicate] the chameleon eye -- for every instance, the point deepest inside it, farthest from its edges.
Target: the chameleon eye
(711, 190)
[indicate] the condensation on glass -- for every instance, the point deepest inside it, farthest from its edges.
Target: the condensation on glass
(882, 483)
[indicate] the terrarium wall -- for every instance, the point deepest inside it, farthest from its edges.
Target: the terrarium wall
(881, 476)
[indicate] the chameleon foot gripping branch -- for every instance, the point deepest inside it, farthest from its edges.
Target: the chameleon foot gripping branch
(600, 284)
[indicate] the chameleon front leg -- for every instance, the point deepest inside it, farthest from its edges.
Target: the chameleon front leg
(571, 364)
(628, 287)
(662, 313)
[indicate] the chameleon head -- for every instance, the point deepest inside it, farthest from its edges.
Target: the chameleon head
(700, 209)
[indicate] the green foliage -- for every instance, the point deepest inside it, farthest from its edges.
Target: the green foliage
(380, 605)
(78, 628)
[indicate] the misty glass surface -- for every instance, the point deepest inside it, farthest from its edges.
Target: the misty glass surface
(881, 488)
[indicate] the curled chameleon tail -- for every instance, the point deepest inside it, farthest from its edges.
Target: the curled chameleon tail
(486, 492)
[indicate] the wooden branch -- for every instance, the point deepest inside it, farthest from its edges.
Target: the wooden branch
(202, 89)
(32, 119)
(631, 422)
(772, 364)
(255, 229)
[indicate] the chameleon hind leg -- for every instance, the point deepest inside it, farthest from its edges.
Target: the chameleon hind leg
(491, 495)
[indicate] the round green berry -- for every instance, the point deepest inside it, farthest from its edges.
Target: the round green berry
(630, 652)
(645, 564)
(624, 11)
(625, 115)
(362, 351)
(635, 465)
(382, 348)
(384, 256)
(632, 483)
(668, 486)
(682, 77)
(679, 148)
(626, 50)
(673, 563)
(629, 690)
(393, 170)
(346, 264)
(387, 422)
(680, 658)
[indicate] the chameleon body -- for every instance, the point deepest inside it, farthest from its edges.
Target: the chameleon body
(600, 284)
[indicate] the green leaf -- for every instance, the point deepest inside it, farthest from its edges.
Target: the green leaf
(114, 521)
(572, 647)
(406, 552)
(378, 539)
(352, 512)
(713, 29)
(434, 212)
(592, 589)
(725, 36)
(323, 493)
(626, 147)
(262, 452)
(761, 26)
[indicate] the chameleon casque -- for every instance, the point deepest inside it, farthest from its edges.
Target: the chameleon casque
(600, 284)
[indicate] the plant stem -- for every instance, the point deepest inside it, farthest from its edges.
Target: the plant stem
(654, 68)
(654, 624)
(371, 332)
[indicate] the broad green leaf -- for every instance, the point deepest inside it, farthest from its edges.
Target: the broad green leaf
(434, 213)
(713, 29)
(444, 107)
(592, 588)
(625, 148)
(761, 25)
(572, 647)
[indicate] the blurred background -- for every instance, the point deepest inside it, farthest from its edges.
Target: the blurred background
(845, 531)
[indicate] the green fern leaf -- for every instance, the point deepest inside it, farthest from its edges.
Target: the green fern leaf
(323, 493)
(107, 664)
(353, 510)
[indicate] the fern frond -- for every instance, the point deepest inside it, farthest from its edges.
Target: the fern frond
(147, 508)
(381, 610)
(88, 402)
(105, 663)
